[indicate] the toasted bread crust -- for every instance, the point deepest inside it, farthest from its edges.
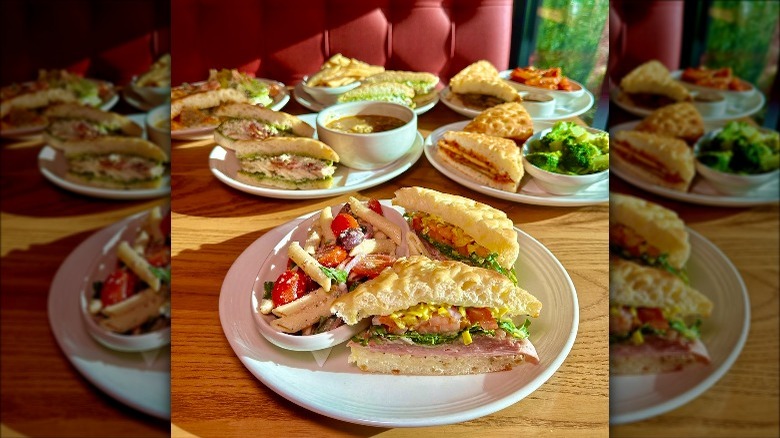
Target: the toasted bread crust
(207, 99)
(653, 77)
(418, 279)
(115, 120)
(661, 160)
(482, 77)
(255, 112)
(631, 284)
(488, 226)
(680, 120)
(508, 120)
(114, 144)
(488, 159)
(303, 146)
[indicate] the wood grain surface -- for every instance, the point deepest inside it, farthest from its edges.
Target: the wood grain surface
(214, 395)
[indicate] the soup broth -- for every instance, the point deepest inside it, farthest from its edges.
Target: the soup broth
(365, 124)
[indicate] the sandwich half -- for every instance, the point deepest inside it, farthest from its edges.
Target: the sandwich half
(433, 317)
(381, 92)
(420, 82)
(452, 227)
(658, 159)
(508, 120)
(493, 161)
(286, 162)
(70, 121)
(478, 86)
(680, 120)
(242, 121)
(651, 85)
(115, 162)
(655, 314)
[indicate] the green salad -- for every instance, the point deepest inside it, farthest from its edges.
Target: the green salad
(742, 149)
(571, 150)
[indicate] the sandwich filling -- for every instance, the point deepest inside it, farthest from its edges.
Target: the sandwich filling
(474, 161)
(249, 129)
(645, 330)
(648, 162)
(479, 101)
(484, 330)
(115, 167)
(297, 169)
(445, 241)
(80, 129)
(625, 242)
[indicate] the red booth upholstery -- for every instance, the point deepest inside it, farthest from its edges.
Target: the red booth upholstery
(285, 40)
(107, 39)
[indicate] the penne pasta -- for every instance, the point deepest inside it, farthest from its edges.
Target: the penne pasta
(138, 265)
(374, 246)
(326, 217)
(383, 224)
(309, 265)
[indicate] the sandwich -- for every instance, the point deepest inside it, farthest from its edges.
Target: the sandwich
(421, 82)
(679, 120)
(115, 162)
(70, 121)
(433, 317)
(655, 315)
(451, 227)
(508, 120)
(242, 121)
(381, 92)
(479, 87)
(660, 160)
(21, 105)
(340, 70)
(192, 105)
(651, 85)
(492, 161)
(286, 162)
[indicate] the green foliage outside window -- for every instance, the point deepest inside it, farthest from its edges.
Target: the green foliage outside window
(571, 35)
(739, 36)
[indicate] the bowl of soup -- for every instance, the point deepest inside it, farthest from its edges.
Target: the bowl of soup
(158, 127)
(368, 135)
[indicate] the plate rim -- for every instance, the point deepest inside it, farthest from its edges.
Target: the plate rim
(73, 262)
(699, 389)
(254, 251)
(550, 201)
(692, 198)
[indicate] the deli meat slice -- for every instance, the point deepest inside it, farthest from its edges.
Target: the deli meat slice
(658, 347)
(495, 346)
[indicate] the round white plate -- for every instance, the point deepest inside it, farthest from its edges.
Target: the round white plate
(308, 102)
(398, 401)
(224, 165)
(34, 130)
(574, 108)
(735, 110)
(701, 191)
(140, 380)
(203, 132)
(54, 167)
(528, 192)
(634, 398)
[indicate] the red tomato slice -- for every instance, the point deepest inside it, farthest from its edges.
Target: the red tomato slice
(652, 316)
(372, 264)
(160, 256)
(482, 316)
(341, 222)
(119, 286)
(290, 286)
(374, 204)
(331, 256)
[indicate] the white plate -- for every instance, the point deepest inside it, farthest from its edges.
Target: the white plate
(528, 192)
(34, 130)
(308, 102)
(574, 108)
(224, 165)
(140, 380)
(203, 132)
(701, 191)
(54, 167)
(735, 110)
(634, 398)
(339, 390)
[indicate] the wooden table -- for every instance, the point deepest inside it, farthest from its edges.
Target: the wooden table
(745, 401)
(42, 393)
(214, 395)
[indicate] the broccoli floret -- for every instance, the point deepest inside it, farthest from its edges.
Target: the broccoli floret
(544, 160)
(576, 157)
(748, 156)
(599, 163)
(718, 160)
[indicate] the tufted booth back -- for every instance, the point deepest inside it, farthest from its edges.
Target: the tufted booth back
(107, 39)
(285, 40)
